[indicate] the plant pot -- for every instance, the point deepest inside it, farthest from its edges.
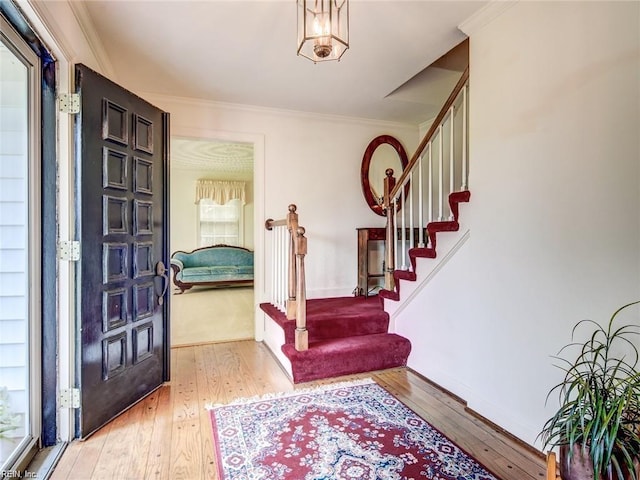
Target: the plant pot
(579, 466)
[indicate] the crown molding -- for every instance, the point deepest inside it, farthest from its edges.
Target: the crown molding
(485, 15)
(88, 28)
(159, 98)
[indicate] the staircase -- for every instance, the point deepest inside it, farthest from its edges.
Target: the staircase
(346, 335)
(330, 337)
(433, 228)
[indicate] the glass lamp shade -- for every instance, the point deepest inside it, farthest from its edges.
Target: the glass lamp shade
(323, 29)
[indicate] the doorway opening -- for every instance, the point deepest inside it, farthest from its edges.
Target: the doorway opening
(208, 314)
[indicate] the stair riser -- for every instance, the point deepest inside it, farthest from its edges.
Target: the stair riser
(349, 356)
(339, 328)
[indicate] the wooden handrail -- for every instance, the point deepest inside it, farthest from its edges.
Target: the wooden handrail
(432, 130)
(270, 223)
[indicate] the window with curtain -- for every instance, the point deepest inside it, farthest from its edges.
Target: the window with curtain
(220, 223)
(220, 212)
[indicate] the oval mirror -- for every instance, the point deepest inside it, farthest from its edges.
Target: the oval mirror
(383, 152)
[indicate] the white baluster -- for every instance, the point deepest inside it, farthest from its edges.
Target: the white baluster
(284, 273)
(274, 267)
(451, 166)
(284, 253)
(464, 138)
(430, 190)
(403, 232)
(440, 176)
(395, 233)
(281, 261)
(420, 205)
(411, 222)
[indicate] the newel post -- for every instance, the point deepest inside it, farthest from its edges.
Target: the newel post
(301, 335)
(389, 184)
(292, 227)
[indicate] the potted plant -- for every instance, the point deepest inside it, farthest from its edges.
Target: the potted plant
(597, 424)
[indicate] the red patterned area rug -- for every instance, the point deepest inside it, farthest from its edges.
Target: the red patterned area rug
(344, 431)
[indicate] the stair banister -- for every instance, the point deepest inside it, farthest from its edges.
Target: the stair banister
(430, 133)
(401, 192)
(288, 289)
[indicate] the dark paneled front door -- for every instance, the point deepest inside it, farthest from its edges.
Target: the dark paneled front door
(122, 144)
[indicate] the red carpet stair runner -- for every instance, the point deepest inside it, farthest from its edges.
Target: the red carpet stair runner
(346, 335)
(433, 228)
(350, 334)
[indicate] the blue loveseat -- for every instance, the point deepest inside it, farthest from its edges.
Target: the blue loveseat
(218, 265)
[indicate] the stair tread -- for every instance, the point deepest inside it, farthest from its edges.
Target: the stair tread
(336, 317)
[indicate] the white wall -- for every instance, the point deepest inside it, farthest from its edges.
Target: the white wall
(554, 213)
(309, 160)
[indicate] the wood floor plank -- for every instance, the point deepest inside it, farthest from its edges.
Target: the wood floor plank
(209, 468)
(116, 448)
(141, 443)
(66, 463)
(268, 376)
(235, 372)
(211, 385)
(186, 455)
(185, 402)
(91, 448)
(186, 451)
(159, 454)
(171, 430)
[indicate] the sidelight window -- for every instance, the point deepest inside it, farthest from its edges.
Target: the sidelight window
(20, 250)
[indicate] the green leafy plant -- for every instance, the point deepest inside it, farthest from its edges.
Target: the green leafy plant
(8, 420)
(600, 399)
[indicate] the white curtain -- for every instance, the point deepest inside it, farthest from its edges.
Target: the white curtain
(220, 191)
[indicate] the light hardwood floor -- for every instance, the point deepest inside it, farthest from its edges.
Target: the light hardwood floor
(168, 435)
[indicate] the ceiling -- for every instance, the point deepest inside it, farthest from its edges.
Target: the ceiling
(215, 159)
(244, 52)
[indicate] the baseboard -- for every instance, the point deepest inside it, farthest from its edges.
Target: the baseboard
(447, 392)
(533, 450)
(494, 426)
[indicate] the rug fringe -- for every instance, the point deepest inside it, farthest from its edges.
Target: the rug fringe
(270, 396)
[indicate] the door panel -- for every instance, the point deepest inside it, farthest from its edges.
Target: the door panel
(122, 225)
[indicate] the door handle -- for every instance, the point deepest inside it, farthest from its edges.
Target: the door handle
(161, 271)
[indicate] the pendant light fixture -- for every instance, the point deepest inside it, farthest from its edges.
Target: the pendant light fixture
(323, 29)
